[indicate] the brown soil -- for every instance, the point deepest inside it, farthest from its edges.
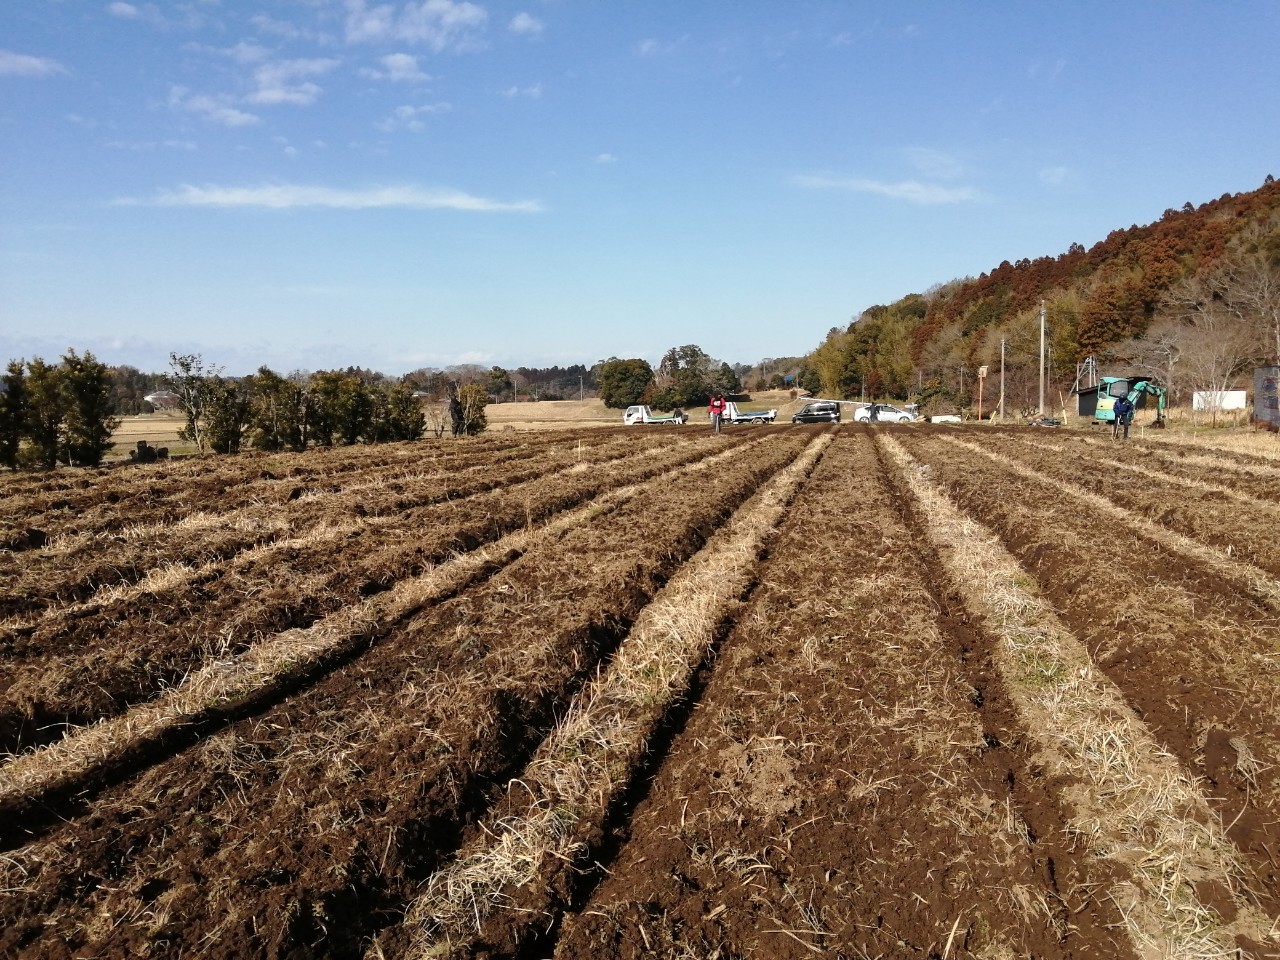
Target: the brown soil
(845, 777)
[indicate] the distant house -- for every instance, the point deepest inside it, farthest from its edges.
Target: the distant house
(163, 400)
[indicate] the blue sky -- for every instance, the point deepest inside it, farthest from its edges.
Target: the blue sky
(318, 183)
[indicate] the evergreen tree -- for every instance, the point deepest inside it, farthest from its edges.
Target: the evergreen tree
(46, 407)
(623, 382)
(13, 413)
(226, 415)
(88, 420)
(277, 412)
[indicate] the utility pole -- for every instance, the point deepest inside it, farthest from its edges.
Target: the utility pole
(1042, 358)
(1002, 343)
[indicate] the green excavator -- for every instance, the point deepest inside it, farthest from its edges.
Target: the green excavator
(1096, 402)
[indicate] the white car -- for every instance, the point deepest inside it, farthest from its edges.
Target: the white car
(885, 413)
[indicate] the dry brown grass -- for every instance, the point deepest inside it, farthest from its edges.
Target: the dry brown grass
(587, 760)
(233, 679)
(1258, 443)
(1134, 805)
(1255, 582)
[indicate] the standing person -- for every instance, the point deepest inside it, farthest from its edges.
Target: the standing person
(1123, 410)
(716, 408)
(873, 415)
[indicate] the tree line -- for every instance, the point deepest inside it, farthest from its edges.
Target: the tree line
(56, 413)
(687, 376)
(1193, 299)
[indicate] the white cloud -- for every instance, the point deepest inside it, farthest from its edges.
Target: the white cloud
(410, 117)
(910, 190)
(654, 48)
(126, 11)
(244, 52)
(439, 24)
(398, 68)
(278, 82)
(533, 92)
(524, 23)
(215, 109)
(296, 196)
(23, 65)
(280, 28)
(606, 158)
(146, 146)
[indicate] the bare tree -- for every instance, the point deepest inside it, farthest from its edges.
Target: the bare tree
(1215, 341)
(1156, 353)
(1248, 285)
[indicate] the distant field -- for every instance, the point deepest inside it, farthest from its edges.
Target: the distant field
(158, 429)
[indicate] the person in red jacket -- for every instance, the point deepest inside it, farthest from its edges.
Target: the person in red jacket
(716, 408)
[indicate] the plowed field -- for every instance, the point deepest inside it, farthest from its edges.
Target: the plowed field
(784, 692)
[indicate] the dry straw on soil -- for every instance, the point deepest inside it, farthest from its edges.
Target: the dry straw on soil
(1255, 582)
(228, 681)
(586, 762)
(1133, 805)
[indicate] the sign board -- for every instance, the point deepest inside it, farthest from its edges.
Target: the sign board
(982, 372)
(1219, 400)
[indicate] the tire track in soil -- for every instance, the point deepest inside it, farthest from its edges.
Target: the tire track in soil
(1178, 885)
(1196, 659)
(187, 623)
(308, 826)
(35, 786)
(834, 789)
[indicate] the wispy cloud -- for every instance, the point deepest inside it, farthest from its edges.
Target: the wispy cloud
(410, 117)
(606, 158)
(24, 65)
(934, 163)
(649, 47)
(525, 24)
(533, 92)
(281, 81)
(398, 68)
(438, 24)
(300, 196)
(125, 11)
(214, 109)
(913, 191)
(146, 146)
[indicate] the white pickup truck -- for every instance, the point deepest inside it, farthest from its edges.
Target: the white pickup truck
(733, 415)
(642, 414)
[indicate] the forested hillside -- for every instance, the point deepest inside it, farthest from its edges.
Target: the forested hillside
(1193, 298)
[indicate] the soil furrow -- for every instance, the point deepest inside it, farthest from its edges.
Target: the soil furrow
(1196, 659)
(233, 606)
(835, 791)
(316, 818)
